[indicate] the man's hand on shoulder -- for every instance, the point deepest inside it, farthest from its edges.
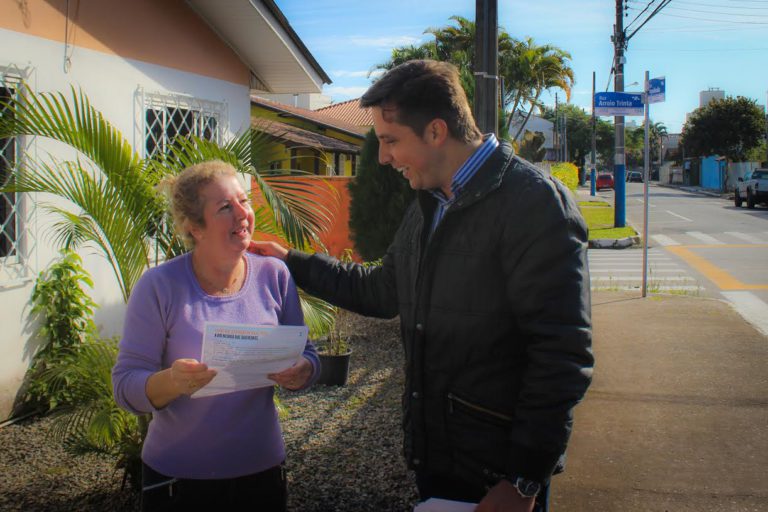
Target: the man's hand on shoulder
(503, 497)
(268, 249)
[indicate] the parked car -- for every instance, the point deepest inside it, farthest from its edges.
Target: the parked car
(604, 180)
(753, 188)
(635, 176)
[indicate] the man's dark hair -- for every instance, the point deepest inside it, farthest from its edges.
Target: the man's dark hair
(418, 91)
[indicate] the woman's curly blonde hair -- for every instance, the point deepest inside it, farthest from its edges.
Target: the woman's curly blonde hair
(183, 190)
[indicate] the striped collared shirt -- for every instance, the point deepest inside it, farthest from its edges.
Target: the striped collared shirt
(465, 173)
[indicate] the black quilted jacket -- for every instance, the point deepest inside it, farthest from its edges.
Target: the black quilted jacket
(495, 320)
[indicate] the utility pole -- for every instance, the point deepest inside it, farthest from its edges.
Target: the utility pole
(646, 179)
(486, 66)
(565, 136)
(593, 168)
(556, 141)
(619, 172)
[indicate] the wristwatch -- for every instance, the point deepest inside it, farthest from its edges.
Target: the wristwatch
(526, 488)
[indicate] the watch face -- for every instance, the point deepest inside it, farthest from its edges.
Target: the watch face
(528, 488)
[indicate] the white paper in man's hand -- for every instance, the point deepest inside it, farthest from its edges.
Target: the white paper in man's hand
(441, 505)
(243, 355)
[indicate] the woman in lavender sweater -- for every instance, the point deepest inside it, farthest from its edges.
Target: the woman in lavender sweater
(227, 450)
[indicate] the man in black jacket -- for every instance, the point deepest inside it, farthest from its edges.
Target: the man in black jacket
(488, 272)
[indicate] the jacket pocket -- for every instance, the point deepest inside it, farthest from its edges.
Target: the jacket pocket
(479, 440)
(457, 404)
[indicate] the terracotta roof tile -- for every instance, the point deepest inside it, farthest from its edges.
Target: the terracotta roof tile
(351, 112)
(311, 115)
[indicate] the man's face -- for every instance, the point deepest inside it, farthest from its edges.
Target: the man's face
(414, 156)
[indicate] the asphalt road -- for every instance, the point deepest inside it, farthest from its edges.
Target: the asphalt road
(723, 248)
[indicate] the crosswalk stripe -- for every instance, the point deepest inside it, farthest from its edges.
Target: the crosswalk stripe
(744, 236)
(628, 270)
(638, 277)
(751, 308)
(704, 237)
(664, 240)
(654, 287)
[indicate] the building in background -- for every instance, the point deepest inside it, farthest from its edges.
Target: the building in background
(710, 95)
(308, 140)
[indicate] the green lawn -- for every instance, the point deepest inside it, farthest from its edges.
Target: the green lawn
(599, 217)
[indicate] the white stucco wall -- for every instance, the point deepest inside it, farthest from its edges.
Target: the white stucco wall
(111, 83)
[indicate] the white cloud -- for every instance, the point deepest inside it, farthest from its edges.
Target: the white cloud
(384, 42)
(340, 92)
(357, 74)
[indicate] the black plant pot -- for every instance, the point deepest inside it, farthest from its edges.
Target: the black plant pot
(334, 369)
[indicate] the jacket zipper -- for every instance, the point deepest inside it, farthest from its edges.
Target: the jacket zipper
(477, 408)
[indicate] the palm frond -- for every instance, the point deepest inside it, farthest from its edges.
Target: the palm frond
(318, 315)
(109, 217)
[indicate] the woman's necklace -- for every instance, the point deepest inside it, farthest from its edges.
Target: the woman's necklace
(233, 286)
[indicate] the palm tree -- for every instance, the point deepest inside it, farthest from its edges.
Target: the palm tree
(116, 205)
(656, 132)
(549, 68)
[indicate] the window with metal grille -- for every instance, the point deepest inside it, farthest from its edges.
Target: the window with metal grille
(9, 219)
(18, 238)
(167, 116)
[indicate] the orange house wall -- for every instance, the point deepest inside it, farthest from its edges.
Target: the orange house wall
(337, 239)
(164, 32)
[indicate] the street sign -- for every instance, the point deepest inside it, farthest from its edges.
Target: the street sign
(656, 90)
(619, 104)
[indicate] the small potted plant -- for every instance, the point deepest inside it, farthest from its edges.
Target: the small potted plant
(334, 351)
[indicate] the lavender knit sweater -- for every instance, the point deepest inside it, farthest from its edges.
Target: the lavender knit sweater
(222, 436)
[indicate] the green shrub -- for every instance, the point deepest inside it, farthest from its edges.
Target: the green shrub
(379, 197)
(92, 422)
(66, 311)
(567, 173)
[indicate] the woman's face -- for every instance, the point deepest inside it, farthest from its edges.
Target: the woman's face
(228, 217)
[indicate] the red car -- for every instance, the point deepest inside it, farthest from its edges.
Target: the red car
(604, 180)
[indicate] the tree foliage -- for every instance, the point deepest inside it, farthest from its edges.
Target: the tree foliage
(379, 197)
(730, 127)
(579, 133)
(532, 148)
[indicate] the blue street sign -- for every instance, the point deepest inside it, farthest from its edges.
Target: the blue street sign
(619, 104)
(656, 90)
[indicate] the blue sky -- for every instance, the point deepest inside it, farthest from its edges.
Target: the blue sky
(694, 44)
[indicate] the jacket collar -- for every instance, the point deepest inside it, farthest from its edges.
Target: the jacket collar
(487, 179)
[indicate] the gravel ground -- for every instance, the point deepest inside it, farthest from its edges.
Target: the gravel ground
(344, 446)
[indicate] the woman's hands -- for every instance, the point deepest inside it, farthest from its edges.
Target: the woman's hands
(189, 375)
(184, 377)
(296, 376)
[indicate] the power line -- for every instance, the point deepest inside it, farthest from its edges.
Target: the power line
(698, 4)
(685, 9)
(715, 21)
(641, 13)
(658, 9)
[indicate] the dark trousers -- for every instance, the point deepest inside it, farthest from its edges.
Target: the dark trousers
(434, 486)
(259, 492)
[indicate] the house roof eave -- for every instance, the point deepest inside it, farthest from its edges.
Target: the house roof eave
(251, 26)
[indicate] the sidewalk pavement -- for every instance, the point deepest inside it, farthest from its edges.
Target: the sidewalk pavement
(677, 415)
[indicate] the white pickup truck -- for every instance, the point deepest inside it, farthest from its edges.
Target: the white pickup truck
(753, 189)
